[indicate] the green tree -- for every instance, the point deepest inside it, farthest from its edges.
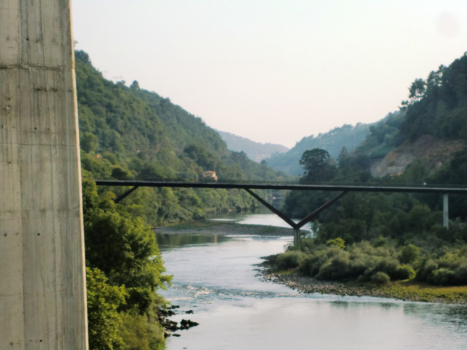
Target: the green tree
(380, 278)
(409, 254)
(122, 247)
(337, 242)
(316, 163)
(104, 321)
(121, 174)
(88, 142)
(417, 90)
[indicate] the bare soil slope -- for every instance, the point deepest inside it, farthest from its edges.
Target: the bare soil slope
(429, 150)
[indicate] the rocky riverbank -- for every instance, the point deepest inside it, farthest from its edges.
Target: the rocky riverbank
(171, 326)
(404, 290)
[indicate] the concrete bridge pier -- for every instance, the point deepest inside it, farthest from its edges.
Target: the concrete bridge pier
(446, 211)
(42, 276)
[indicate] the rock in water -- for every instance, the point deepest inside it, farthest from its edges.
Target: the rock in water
(185, 324)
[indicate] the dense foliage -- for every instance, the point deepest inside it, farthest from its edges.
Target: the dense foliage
(104, 321)
(438, 105)
(378, 237)
(384, 136)
(124, 271)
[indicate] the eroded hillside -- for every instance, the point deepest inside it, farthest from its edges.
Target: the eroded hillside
(430, 151)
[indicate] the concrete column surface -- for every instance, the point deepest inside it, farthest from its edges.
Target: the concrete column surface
(42, 276)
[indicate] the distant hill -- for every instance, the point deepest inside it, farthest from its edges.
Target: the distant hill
(255, 150)
(332, 141)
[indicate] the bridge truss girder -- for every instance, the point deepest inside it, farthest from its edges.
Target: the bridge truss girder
(295, 226)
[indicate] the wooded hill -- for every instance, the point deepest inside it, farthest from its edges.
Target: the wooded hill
(436, 110)
(131, 133)
(381, 237)
(430, 128)
(345, 136)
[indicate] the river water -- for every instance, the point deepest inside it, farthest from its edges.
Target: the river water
(216, 277)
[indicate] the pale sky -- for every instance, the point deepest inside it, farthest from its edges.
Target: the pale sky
(273, 70)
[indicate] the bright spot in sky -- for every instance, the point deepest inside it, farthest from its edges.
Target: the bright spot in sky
(448, 25)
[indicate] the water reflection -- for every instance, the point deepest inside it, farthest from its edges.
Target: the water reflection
(168, 241)
(260, 218)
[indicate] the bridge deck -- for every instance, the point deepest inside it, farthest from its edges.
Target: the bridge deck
(289, 186)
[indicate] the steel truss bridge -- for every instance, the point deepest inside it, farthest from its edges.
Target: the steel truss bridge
(264, 185)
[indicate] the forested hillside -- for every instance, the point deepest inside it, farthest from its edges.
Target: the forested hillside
(376, 237)
(255, 150)
(128, 132)
(384, 136)
(333, 141)
(131, 133)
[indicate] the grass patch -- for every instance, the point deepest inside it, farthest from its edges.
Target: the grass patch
(286, 272)
(414, 290)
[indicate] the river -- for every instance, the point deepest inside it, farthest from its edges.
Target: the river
(216, 277)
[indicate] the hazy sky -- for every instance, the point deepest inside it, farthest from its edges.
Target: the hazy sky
(270, 70)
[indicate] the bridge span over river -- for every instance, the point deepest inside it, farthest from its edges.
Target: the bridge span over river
(274, 185)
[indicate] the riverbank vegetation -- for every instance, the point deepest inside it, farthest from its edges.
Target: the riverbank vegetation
(124, 272)
(378, 238)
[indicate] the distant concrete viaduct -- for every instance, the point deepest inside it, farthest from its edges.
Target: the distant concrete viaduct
(42, 271)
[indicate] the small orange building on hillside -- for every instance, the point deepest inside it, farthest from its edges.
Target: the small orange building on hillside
(211, 175)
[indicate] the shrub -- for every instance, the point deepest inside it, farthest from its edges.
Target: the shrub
(138, 333)
(104, 321)
(404, 272)
(409, 254)
(337, 242)
(380, 278)
(443, 277)
(290, 260)
(380, 241)
(427, 269)
(461, 274)
(335, 268)
(311, 264)
(307, 244)
(388, 266)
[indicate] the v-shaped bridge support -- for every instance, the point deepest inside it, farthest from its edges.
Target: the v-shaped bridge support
(296, 226)
(124, 195)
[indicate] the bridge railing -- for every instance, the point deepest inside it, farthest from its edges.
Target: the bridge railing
(284, 183)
